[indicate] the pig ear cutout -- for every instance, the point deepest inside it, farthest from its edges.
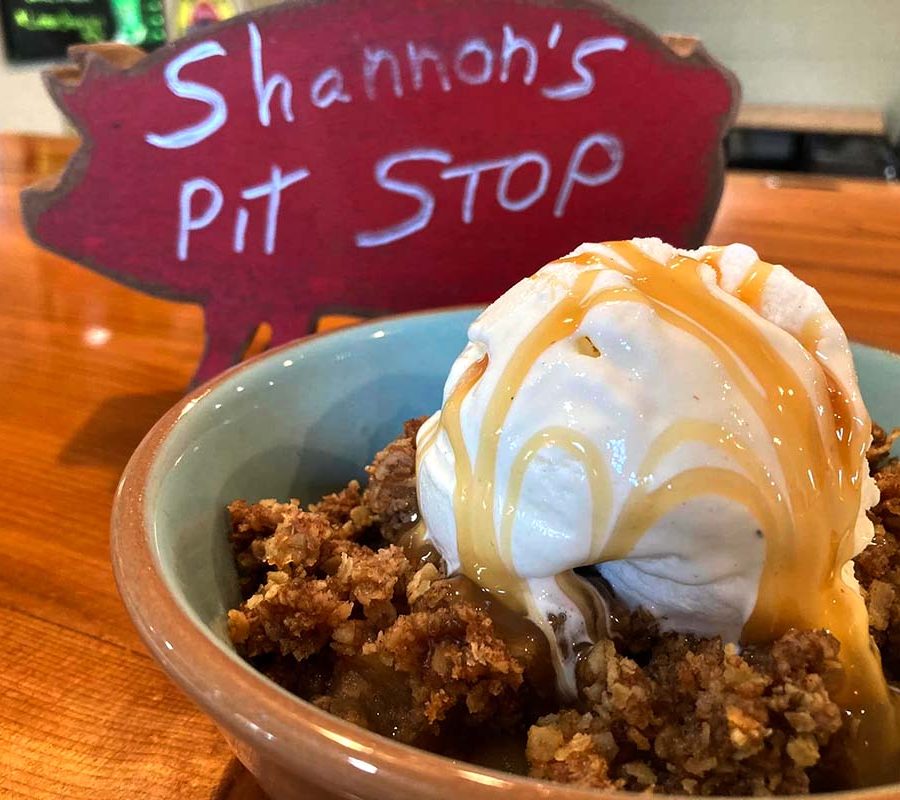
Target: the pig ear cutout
(118, 56)
(85, 59)
(685, 46)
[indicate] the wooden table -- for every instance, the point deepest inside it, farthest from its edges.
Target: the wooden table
(812, 119)
(87, 366)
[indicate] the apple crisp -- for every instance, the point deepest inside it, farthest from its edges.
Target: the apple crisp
(342, 607)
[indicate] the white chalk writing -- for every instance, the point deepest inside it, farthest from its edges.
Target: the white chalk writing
(265, 87)
(513, 44)
(585, 83)
(373, 59)
(472, 174)
(187, 222)
(473, 50)
(328, 88)
(417, 55)
(509, 57)
(515, 182)
(509, 165)
(613, 147)
(515, 164)
(191, 90)
(192, 219)
(574, 175)
(272, 189)
(238, 239)
(554, 36)
(422, 217)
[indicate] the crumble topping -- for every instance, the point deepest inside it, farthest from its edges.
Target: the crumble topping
(878, 566)
(696, 718)
(337, 611)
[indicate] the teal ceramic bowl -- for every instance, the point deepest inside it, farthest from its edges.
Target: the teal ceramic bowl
(296, 422)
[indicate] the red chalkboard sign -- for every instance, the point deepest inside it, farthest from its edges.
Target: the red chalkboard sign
(378, 155)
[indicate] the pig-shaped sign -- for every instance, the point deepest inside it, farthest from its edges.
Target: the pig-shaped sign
(366, 156)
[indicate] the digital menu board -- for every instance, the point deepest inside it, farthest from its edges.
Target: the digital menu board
(41, 30)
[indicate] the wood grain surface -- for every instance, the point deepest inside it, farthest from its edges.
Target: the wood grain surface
(87, 366)
(812, 119)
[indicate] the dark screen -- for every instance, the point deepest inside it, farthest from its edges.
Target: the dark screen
(40, 30)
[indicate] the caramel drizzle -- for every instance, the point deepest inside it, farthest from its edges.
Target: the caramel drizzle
(801, 584)
(644, 508)
(581, 450)
(754, 284)
(474, 500)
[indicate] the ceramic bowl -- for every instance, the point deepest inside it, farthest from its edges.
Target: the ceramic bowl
(297, 422)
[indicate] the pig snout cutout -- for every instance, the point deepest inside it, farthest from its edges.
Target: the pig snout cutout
(378, 156)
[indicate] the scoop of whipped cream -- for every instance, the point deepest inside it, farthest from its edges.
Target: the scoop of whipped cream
(674, 419)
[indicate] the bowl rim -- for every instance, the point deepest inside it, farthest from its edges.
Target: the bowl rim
(280, 724)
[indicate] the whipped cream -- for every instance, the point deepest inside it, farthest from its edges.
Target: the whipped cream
(628, 439)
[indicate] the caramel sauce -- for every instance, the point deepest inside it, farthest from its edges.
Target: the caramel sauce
(419, 549)
(581, 450)
(479, 551)
(590, 603)
(525, 639)
(807, 524)
(644, 507)
(752, 287)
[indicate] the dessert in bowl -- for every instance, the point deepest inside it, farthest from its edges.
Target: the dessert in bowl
(710, 639)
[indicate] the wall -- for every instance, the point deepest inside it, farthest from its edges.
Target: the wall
(810, 52)
(24, 104)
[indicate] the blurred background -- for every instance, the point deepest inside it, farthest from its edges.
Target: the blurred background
(821, 78)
